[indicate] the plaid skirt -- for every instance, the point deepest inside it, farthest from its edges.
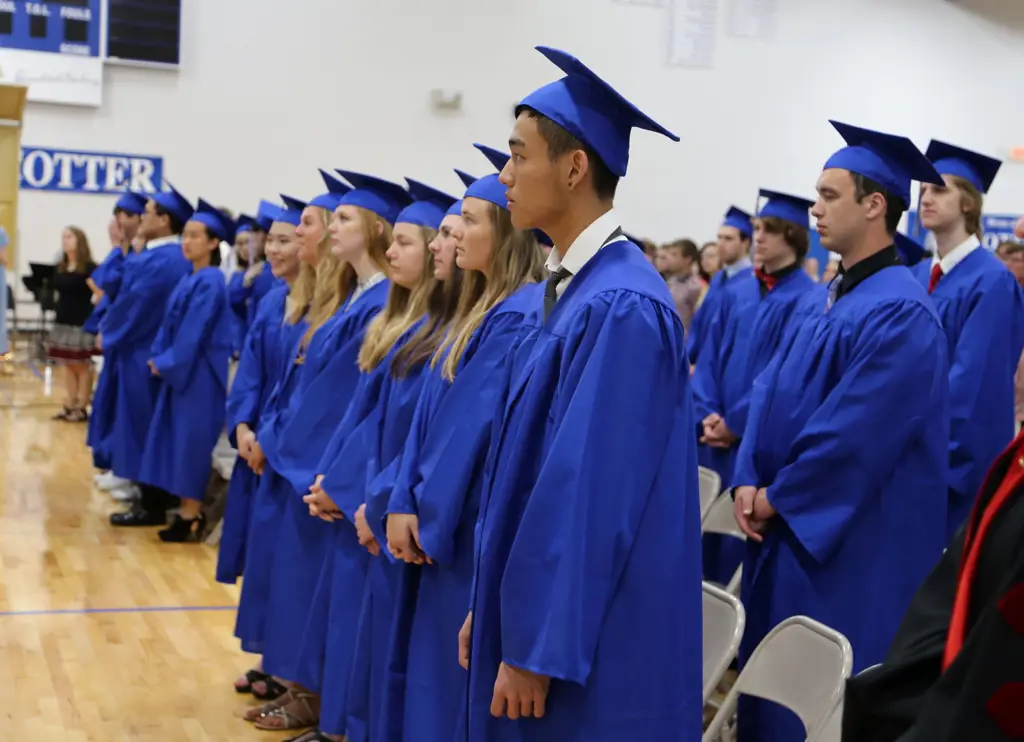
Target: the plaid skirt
(72, 344)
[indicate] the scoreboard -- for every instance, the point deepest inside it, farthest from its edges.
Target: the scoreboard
(54, 26)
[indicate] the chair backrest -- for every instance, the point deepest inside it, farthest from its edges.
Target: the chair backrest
(720, 519)
(710, 487)
(724, 620)
(801, 665)
(831, 730)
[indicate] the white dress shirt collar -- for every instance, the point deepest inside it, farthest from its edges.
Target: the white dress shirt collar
(586, 245)
(955, 256)
(161, 241)
(741, 264)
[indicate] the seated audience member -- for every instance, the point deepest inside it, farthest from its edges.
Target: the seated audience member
(675, 262)
(1012, 255)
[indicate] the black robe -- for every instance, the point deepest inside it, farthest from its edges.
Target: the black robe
(980, 697)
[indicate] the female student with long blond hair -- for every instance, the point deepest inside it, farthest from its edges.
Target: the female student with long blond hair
(295, 440)
(434, 503)
(359, 458)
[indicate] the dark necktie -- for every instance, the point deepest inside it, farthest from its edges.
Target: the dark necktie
(551, 290)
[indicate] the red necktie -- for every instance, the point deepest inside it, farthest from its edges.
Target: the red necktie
(768, 281)
(936, 277)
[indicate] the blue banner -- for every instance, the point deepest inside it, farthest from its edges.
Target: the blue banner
(996, 228)
(89, 172)
(52, 26)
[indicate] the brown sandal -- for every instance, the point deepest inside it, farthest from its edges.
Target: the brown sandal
(258, 712)
(302, 711)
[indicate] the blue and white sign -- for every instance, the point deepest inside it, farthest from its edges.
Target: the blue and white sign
(89, 172)
(53, 48)
(995, 228)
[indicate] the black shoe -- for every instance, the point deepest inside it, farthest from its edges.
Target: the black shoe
(182, 530)
(138, 516)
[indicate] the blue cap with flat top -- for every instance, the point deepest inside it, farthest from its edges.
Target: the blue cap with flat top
(335, 190)
(738, 218)
(382, 197)
(499, 159)
(910, 250)
(466, 178)
(266, 214)
(591, 110)
(292, 211)
(889, 160)
(977, 169)
(793, 209)
(173, 203)
(244, 223)
(428, 208)
(131, 203)
(216, 221)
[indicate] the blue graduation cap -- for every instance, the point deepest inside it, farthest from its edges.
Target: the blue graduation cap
(335, 190)
(428, 208)
(499, 159)
(891, 161)
(244, 223)
(266, 214)
(738, 218)
(783, 206)
(977, 169)
(910, 250)
(131, 203)
(220, 224)
(292, 211)
(173, 203)
(496, 157)
(466, 178)
(455, 209)
(382, 197)
(588, 108)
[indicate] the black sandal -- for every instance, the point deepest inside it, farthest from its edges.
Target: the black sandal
(182, 531)
(274, 689)
(64, 414)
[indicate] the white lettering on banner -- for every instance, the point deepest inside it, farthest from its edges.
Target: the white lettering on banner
(89, 172)
(79, 49)
(76, 14)
(7, 6)
(37, 9)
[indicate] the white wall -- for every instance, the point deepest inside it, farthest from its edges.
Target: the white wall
(270, 90)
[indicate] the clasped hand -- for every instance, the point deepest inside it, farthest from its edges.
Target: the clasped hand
(753, 511)
(249, 448)
(404, 539)
(716, 433)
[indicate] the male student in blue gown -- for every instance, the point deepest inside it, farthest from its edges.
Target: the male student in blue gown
(841, 475)
(982, 311)
(734, 251)
(585, 618)
(126, 336)
(745, 333)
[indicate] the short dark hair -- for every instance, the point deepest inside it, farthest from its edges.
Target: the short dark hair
(560, 142)
(794, 235)
(177, 226)
(686, 247)
(894, 207)
(215, 252)
(1009, 247)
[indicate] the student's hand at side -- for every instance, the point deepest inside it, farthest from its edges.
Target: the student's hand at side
(743, 511)
(257, 461)
(245, 438)
(404, 538)
(465, 633)
(153, 369)
(363, 532)
(763, 510)
(519, 692)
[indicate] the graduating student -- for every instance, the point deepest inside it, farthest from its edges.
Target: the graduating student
(360, 458)
(841, 470)
(294, 440)
(733, 251)
(743, 337)
(236, 278)
(982, 311)
(106, 282)
(126, 337)
(190, 357)
(433, 507)
(956, 667)
(257, 395)
(588, 544)
(257, 279)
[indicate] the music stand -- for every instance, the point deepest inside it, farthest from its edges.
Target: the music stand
(40, 285)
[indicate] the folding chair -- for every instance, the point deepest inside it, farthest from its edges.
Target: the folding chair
(724, 619)
(710, 488)
(831, 730)
(801, 665)
(720, 519)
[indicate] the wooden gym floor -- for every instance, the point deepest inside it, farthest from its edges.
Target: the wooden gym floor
(106, 635)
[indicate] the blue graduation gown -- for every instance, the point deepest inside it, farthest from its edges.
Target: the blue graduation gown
(294, 442)
(238, 298)
(708, 308)
(742, 340)
(191, 351)
(129, 328)
(981, 306)
(360, 457)
(268, 504)
(255, 377)
(107, 276)
(426, 688)
(848, 429)
(588, 543)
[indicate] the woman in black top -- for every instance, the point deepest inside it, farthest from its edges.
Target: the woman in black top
(70, 345)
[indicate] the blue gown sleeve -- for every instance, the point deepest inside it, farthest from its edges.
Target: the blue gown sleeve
(177, 361)
(250, 379)
(615, 411)
(345, 480)
(401, 499)
(707, 394)
(852, 441)
(110, 275)
(745, 472)
(238, 295)
(130, 318)
(981, 380)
